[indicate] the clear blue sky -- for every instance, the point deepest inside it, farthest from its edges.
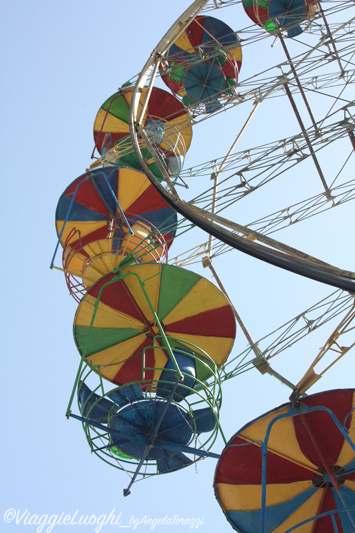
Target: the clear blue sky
(60, 61)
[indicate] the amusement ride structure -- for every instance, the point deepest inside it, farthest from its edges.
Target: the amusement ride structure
(155, 339)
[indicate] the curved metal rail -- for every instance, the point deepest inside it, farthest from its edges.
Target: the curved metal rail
(212, 224)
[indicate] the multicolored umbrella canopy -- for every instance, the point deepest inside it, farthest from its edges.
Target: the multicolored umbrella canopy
(280, 15)
(203, 63)
(310, 468)
(166, 122)
(98, 258)
(87, 211)
(120, 342)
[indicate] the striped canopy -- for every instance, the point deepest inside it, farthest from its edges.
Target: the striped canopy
(94, 213)
(207, 51)
(98, 258)
(190, 308)
(166, 121)
(280, 15)
(310, 468)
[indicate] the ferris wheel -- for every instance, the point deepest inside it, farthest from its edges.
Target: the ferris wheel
(162, 335)
(321, 72)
